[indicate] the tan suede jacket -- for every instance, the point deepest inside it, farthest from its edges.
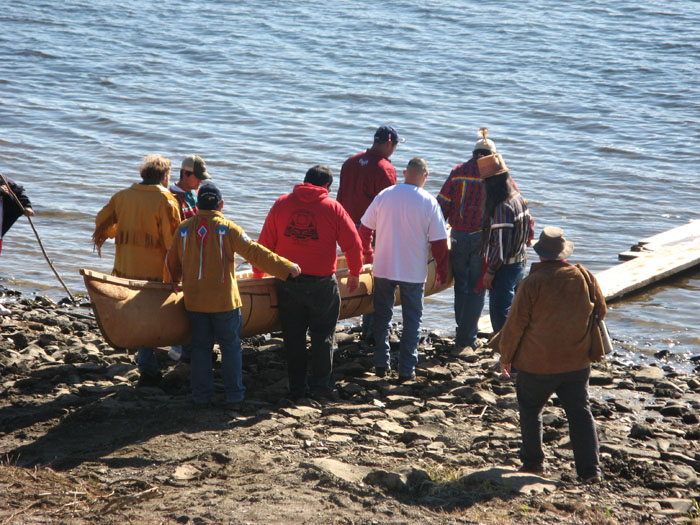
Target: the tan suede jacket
(548, 326)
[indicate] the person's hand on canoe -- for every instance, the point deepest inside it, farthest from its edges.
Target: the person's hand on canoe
(353, 283)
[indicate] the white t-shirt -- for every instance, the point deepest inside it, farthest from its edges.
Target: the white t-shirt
(406, 218)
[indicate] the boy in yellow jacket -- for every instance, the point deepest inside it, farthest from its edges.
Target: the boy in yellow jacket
(202, 254)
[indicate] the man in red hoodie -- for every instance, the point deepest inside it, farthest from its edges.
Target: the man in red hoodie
(304, 226)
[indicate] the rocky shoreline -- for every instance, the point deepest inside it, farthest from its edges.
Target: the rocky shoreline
(80, 443)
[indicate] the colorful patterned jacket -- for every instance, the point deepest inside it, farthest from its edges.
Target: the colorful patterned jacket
(203, 251)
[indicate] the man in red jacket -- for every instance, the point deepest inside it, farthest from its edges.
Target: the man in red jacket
(362, 177)
(304, 226)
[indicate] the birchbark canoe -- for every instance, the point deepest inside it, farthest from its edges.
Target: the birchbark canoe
(147, 314)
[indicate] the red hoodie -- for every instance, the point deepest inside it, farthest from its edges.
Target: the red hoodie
(305, 225)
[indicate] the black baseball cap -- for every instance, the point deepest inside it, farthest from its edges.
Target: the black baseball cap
(387, 132)
(209, 197)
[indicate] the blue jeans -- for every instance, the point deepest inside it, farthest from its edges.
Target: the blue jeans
(309, 303)
(467, 265)
(503, 291)
(412, 311)
(226, 328)
(533, 391)
(147, 362)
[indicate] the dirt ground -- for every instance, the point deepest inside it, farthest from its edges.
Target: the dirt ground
(81, 444)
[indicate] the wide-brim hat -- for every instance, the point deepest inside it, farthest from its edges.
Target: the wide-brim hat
(491, 165)
(553, 245)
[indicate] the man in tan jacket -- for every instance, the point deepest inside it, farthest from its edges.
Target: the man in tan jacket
(547, 338)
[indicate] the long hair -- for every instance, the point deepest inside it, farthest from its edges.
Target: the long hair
(498, 188)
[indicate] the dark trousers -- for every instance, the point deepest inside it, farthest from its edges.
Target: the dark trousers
(572, 390)
(309, 303)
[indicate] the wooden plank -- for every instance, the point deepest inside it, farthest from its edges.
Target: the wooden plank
(686, 232)
(638, 273)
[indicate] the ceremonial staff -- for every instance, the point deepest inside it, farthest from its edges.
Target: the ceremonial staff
(24, 211)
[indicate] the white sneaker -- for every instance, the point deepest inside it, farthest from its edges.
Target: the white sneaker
(4, 310)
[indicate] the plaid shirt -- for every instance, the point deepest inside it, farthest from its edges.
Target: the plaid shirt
(512, 228)
(186, 199)
(462, 197)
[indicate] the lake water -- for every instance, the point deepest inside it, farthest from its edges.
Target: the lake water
(595, 107)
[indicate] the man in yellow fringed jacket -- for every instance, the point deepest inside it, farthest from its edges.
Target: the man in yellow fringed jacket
(142, 220)
(202, 254)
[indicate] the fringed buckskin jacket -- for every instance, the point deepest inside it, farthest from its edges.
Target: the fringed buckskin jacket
(142, 220)
(204, 251)
(548, 330)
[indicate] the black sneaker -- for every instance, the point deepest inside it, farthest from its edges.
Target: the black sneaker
(380, 371)
(149, 380)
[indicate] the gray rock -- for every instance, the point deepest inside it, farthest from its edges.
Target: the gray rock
(622, 451)
(676, 457)
(390, 427)
(304, 433)
(427, 432)
(648, 374)
(623, 407)
(466, 392)
(343, 339)
(338, 469)
(352, 389)
(119, 369)
(397, 415)
(511, 480)
(431, 415)
(690, 418)
(508, 402)
(406, 479)
(35, 352)
(20, 339)
(484, 397)
(388, 480)
(668, 385)
(641, 431)
(673, 410)
(679, 505)
(301, 412)
(47, 338)
(438, 373)
(351, 369)
(600, 378)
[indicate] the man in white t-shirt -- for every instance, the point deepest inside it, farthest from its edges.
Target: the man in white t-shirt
(406, 218)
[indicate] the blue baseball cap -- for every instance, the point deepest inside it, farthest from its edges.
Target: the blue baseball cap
(209, 197)
(387, 132)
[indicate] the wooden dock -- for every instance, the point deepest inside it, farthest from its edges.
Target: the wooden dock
(649, 261)
(685, 233)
